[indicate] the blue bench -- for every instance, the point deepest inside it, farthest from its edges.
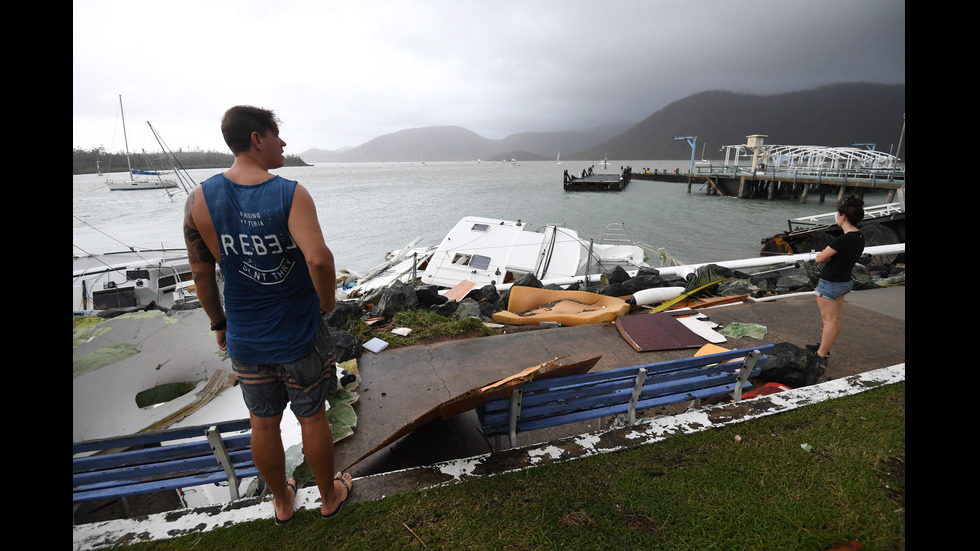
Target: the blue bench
(552, 402)
(118, 467)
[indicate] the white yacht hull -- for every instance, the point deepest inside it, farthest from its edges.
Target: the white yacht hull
(131, 278)
(141, 184)
(490, 251)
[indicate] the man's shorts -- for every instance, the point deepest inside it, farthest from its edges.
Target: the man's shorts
(833, 290)
(303, 383)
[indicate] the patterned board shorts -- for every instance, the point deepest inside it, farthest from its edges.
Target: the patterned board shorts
(303, 383)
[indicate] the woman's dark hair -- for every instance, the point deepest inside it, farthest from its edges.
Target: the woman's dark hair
(852, 208)
(240, 121)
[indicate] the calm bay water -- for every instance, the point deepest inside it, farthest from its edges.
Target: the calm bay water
(368, 209)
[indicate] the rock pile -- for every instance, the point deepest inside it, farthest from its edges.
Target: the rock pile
(483, 302)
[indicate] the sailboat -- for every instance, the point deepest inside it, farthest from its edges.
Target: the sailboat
(138, 179)
(703, 161)
(558, 159)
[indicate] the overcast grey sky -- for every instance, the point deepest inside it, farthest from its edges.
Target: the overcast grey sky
(340, 73)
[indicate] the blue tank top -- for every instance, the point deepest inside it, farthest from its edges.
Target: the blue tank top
(270, 302)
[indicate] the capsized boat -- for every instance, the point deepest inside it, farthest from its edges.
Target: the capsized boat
(132, 278)
(490, 251)
(883, 224)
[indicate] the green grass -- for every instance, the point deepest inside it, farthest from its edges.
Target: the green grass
(745, 486)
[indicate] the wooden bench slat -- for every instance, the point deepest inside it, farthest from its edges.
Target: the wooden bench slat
(155, 437)
(162, 453)
(618, 409)
(139, 472)
(596, 386)
(559, 402)
(162, 460)
(157, 486)
(553, 402)
(652, 368)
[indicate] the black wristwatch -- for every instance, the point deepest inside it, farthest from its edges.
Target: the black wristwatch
(220, 325)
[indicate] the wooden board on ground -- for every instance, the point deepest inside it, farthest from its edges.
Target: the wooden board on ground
(473, 398)
(459, 291)
(650, 332)
(708, 302)
(709, 349)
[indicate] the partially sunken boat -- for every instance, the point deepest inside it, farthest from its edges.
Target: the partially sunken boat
(489, 251)
(132, 278)
(882, 225)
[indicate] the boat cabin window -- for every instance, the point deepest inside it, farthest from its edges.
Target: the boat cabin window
(480, 227)
(137, 274)
(477, 261)
(480, 262)
(169, 282)
(114, 298)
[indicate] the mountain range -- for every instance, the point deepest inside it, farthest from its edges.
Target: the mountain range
(834, 115)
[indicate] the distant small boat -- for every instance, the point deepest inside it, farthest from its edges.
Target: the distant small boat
(703, 161)
(558, 159)
(138, 179)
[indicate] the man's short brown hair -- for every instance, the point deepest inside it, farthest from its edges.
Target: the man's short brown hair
(240, 121)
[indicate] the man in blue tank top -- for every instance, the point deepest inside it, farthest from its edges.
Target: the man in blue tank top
(279, 279)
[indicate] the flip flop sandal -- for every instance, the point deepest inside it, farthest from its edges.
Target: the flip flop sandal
(280, 522)
(342, 502)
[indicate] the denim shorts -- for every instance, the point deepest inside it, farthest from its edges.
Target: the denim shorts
(833, 290)
(304, 383)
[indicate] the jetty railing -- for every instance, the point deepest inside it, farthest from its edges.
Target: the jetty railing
(861, 177)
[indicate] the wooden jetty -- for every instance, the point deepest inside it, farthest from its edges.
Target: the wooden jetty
(791, 171)
(776, 183)
(598, 182)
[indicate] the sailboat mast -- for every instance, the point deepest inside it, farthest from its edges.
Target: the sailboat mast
(125, 138)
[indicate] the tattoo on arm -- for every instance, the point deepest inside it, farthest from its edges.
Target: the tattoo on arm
(195, 243)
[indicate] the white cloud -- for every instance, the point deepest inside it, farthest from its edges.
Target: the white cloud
(341, 73)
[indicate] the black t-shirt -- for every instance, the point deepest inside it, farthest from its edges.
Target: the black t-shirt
(849, 247)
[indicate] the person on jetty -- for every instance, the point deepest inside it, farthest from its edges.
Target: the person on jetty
(279, 281)
(835, 281)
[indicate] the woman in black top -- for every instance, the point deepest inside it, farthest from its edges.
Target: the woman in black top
(835, 279)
